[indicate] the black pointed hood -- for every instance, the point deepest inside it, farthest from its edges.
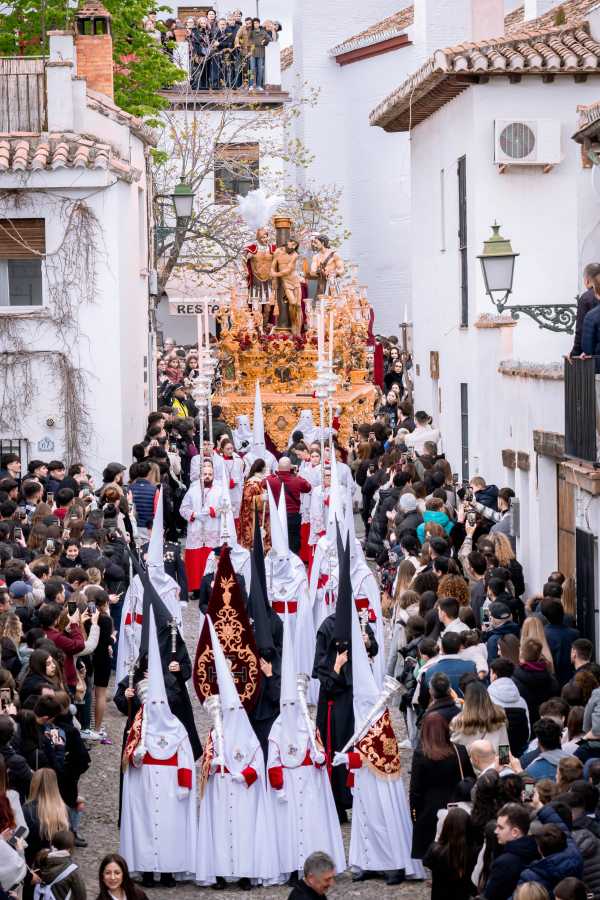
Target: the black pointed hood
(342, 630)
(259, 613)
(258, 555)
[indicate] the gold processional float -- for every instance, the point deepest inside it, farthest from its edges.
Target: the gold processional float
(308, 352)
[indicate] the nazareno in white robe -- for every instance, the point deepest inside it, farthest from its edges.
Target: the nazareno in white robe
(307, 820)
(235, 836)
(158, 821)
(158, 814)
(130, 630)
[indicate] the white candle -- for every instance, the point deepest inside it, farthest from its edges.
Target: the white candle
(406, 313)
(331, 339)
(200, 338)
(206, 330)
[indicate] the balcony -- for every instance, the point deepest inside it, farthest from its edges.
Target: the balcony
(582, 397)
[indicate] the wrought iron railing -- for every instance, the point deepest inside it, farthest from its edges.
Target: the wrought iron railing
(581, 411)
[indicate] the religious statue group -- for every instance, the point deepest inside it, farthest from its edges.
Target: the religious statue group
(279, 288)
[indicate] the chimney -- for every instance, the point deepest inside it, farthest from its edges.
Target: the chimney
(444, 23)
(536, 8)
(93, 43)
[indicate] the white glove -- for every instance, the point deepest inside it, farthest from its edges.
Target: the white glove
(281, 796)
(319, 758)
(216, 763)
(340, 759)
(238, 778)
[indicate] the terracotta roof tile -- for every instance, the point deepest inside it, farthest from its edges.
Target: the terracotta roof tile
(572, 9)
(61, 150)
(380, 31)
(568, 49)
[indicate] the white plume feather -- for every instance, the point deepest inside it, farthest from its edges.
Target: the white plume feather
(256, 208)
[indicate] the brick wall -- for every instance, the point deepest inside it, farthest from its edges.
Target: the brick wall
(95, 62)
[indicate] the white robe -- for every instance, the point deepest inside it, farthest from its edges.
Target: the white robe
(319, 512)
(205, 530)
(312, 474)
(323, 599)
(381, 832)
(130, 630)
(260, 453)
(158, 820)
(307, 820)
(288, 592)
(234, 838)
(364, 584)
(218, 468)
(234, 474)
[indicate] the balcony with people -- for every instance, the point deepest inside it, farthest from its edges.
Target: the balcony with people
(227, 59)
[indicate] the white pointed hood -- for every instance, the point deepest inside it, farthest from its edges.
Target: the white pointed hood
(231, 532)
(335, 510)
(239, 739)
(155, 561)
(162, 732)
(289, 730)
(282, 511)
(279, 542)
(364, 686)
(258, 425)
(242, 432)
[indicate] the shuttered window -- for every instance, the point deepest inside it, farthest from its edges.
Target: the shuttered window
(22, 248)
(22, 238)
(462, 241)
(236, 171)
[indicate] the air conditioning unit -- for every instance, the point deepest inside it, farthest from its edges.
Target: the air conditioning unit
(527, 142)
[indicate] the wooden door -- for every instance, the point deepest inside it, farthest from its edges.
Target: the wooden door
(566, 525)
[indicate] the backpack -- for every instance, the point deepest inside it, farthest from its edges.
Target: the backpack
(45, 892)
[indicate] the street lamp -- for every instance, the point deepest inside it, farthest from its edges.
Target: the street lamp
(498, 267)
(183, 200)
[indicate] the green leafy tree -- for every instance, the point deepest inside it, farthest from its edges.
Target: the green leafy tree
(142, 68)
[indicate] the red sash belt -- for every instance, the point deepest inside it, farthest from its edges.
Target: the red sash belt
(279, 606)
(138, 619)
(323, 579)
(362, 602)
(151, 761)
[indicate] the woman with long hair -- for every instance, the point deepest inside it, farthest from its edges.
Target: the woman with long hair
(404, 576)
(454, 586)
(43, 675)
(254, 499)
(534, 628)
(45, 815)
(508, 648)
(11, 632)
(479, 719)
(115, 881)
(452, 858)
(437, 768)
(505, 555)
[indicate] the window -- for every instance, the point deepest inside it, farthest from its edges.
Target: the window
(15, 445)
(462, 241)
(464, 429)
(22, 248)
(236, 171)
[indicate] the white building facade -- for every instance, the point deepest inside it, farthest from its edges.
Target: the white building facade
(75, 344)
(495, 385)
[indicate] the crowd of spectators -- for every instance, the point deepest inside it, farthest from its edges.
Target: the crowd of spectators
(225, 52)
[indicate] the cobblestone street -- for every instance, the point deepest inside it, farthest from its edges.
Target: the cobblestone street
(100, 788)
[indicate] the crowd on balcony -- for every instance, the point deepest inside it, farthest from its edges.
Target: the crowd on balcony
(225, 52)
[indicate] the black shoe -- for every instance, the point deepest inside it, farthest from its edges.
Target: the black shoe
(245, 884)
(167, 880)
(395, 876)
(148, 880)
(365, 875)
(219, 884)
(79, 841)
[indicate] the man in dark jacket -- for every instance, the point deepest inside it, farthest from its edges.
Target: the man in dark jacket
(441, 699)
(582, 799)
(502, 624)
(19, 773)
(560, 638)
(560, 858)
(319, 876)
(590, 335)
(585, 302)
(517, 851)
(388, 498)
